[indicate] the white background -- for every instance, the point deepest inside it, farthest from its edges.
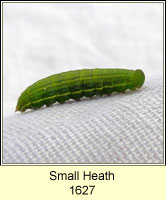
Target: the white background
(41, 39)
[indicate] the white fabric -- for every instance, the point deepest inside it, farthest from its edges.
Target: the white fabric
(44, 39)
(120, 128)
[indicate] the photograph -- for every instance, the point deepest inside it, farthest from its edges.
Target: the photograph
(83, 83)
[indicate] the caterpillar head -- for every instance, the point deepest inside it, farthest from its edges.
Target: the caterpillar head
(138, 78)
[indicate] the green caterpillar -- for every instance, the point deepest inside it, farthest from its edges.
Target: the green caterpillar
(76, 84)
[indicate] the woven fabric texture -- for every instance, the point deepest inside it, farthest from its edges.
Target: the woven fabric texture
(120, 128)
